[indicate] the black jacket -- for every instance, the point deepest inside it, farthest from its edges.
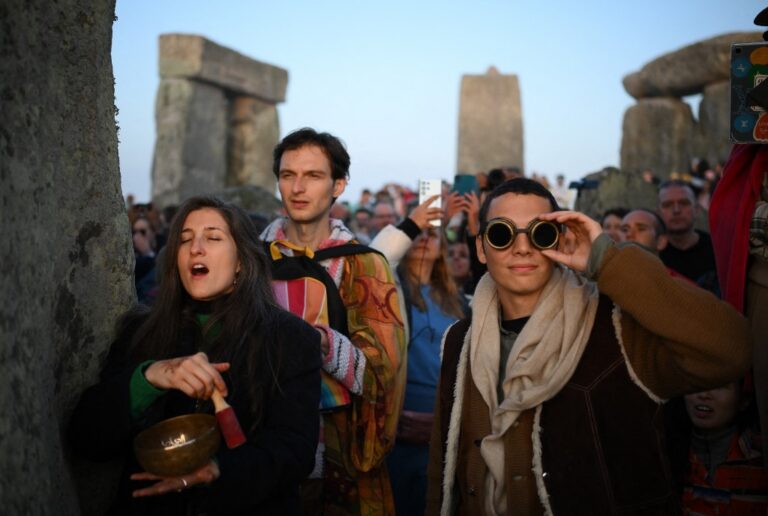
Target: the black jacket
(260, 477)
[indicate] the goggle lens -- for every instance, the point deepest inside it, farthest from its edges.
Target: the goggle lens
(543, 234)
(499, 235)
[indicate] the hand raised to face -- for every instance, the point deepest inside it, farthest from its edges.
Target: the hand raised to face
(576, 243)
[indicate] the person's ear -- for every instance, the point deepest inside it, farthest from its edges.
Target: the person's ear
(339, 185)
(480, 249)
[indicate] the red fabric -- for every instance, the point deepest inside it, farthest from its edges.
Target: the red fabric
(730, 214)
(739, 486)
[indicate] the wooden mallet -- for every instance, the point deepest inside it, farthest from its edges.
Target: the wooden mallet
(228, 423)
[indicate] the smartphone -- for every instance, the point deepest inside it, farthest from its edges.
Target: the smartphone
(749, 92)
(465, 183)
(428, 188)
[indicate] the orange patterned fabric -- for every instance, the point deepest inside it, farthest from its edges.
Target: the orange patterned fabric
(357, 440)
(739, 486)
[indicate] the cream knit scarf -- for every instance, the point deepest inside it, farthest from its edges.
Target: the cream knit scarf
(541, 362)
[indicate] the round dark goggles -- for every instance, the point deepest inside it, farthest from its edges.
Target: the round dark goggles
(500, 233)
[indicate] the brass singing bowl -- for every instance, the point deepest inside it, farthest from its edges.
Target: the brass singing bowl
(178, 446)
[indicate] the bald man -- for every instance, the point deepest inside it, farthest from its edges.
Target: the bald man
(645, 227)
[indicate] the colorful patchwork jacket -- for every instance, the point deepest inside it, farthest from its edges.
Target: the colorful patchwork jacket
(369, 364)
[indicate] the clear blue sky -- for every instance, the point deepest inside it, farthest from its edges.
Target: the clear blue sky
(384, 76)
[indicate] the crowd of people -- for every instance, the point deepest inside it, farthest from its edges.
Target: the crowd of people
(502, 354)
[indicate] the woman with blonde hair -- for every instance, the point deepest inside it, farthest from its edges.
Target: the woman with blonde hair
(433, 303)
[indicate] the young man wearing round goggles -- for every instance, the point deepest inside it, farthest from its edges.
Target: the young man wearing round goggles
(550, 393)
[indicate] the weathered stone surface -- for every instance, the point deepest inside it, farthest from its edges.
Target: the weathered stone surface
(712, 142)
(253, 199)
(617, 189)
(490, 123)
(688, 70)
(66, 249)
(620, 189)
(254, 131)
(191, 146)
(195, 57)
(656, 136)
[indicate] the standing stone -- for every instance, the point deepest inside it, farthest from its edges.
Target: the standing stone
(191, 146)
(490, 123)
(66, 249)
(656, 135)
(688, 70)
(216, 119)
(713, 142)
(254, 131)
(616, 189)
(253, 199)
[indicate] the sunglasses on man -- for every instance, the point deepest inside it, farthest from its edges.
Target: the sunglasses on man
(500, 233)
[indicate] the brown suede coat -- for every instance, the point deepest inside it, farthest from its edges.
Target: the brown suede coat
(601, 435)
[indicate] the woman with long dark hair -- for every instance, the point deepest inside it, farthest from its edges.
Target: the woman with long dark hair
(433, 303)
(215, 325)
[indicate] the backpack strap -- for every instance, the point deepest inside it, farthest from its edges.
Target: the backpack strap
(348, 249)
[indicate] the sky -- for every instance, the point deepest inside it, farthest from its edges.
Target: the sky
(385, 76)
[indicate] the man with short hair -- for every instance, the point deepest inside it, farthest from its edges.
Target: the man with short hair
(550, 394)
(689, 251)
(383, 214)
(645, 227)
(364, 368)
(361, 223)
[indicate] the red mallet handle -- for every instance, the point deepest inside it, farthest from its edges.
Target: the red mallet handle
(228, 423)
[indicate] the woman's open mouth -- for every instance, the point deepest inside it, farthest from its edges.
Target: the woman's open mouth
(199, 270)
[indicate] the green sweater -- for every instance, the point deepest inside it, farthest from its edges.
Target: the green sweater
(142, 393)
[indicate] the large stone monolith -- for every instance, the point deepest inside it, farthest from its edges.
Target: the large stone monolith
(253, 134)
(490, 123)
(191, 146)
(66, 249)
(688, 70)
(216, 119)
(713, 143)
(656, 136)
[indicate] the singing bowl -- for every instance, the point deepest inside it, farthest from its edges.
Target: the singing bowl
(178, 446)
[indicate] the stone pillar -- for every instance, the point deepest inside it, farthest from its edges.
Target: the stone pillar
(253, 133)
(191, 145)
(216, 119)
(66, 251)
(656, 134)
(490, 123)
(714, 123)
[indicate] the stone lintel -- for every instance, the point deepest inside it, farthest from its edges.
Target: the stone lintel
(195, 57)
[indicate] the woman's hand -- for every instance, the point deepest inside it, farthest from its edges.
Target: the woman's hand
(423, 214)
(453, 205)
(471, 206)
(415, 427)
(204, 475)
(576, 244)
(194, 375)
